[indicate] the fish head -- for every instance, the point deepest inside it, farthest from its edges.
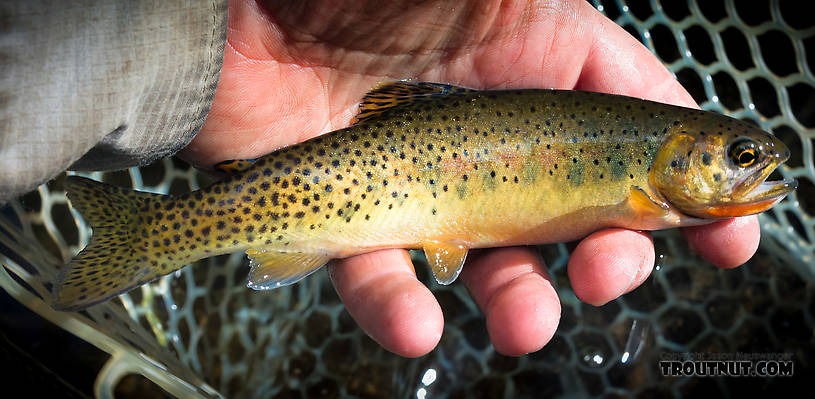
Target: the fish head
(718, 168)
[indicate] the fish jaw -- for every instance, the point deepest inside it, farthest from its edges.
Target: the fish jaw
(762, 197)
(753, 193)
(699, 174)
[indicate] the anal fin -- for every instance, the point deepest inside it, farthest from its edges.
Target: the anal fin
(234, 166)
(446, 260)
(271, 269)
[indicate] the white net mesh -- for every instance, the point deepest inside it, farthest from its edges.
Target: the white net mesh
(201, 332)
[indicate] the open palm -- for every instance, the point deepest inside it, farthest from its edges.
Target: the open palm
(294, 70)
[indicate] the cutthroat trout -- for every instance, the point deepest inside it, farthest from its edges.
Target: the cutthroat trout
(439, 168)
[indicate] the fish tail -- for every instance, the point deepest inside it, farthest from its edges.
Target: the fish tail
(110, 264)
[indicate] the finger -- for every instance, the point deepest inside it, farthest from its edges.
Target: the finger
(567, 45)
(619, 64)
(609, 263)
(728, 243)
(513, 289)
(382, 294)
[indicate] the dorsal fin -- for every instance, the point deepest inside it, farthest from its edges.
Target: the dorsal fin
(391, 95)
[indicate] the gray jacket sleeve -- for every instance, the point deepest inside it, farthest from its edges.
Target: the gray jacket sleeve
(102, 85)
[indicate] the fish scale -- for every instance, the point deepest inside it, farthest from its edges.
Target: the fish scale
(434, 167)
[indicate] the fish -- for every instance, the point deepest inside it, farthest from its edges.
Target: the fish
(438, 168)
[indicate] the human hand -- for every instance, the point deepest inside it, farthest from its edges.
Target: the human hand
(294, 70)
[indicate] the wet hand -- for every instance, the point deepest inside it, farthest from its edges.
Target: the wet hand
(295, 70)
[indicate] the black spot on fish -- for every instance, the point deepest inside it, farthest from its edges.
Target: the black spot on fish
(707, 158)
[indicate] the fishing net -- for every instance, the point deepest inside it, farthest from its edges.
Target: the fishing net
(201, 333)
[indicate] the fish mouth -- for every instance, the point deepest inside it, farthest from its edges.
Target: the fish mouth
(754, 194)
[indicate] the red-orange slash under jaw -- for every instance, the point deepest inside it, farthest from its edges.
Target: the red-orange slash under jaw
(737, 210)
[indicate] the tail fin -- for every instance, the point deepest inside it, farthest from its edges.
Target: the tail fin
(110, 264)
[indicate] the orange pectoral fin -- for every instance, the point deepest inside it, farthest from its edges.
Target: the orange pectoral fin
(644, 204)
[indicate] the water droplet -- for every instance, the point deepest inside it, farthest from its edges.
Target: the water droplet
(593, 357)
(635, 342)
(659, 262)
(429, 377)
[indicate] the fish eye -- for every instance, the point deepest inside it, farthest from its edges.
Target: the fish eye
(743, 152)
